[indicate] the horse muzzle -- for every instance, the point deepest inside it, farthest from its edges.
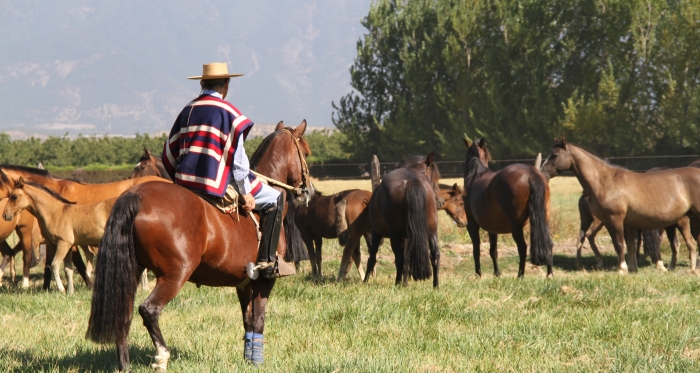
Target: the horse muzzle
(8, 217)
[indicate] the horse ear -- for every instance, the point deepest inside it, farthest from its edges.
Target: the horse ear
(429, 158)
(147, 152)
(466, 141)
(455, 188)
(563, 140)
(299, 131)
(481, 142)
(280, 126)
(19, 183)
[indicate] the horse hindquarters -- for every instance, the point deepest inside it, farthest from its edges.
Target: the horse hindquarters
(417, 252)
(540, 239)
(116, 279)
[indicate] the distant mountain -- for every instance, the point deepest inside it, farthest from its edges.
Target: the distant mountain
(82, 67)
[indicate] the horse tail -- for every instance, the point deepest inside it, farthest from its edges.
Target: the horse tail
(341, 222)
(296, 249)
(651, 241)
(416, 252)
(540, 238)
(116, 274)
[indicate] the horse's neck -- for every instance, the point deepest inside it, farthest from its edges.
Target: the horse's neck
(57, 185)
(590, 170)
(44, 207)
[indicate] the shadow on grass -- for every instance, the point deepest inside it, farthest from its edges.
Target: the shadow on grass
(610, 263)
(102, 360)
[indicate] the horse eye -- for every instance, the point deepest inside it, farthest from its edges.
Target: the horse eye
(12, 198)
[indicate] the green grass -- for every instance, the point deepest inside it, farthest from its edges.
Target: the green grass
(579, 321)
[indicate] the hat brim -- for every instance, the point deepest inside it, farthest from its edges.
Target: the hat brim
(209, 77)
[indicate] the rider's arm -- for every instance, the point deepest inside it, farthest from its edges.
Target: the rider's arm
(241, 168)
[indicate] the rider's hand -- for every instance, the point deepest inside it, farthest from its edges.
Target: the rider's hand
(249, 202)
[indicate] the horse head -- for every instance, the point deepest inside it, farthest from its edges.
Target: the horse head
(477, 149)
(454, 206)
(282, 156)
(149, 165)
(17, 201)
(560, 160)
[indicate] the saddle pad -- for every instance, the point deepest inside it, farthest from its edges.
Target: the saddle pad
(227, 204)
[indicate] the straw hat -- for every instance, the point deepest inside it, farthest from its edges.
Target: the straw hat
(214, 70)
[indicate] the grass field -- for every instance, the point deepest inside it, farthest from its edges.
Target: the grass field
(579, 321)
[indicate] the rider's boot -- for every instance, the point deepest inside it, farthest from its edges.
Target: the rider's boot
(271, 225)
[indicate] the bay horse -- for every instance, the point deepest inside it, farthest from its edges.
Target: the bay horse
(71, 190)
(404, 208)
(351, 224)
(315, 222)
(503, 202)
(63, 223)
(621, 198)
(149, 165)
(151, 226)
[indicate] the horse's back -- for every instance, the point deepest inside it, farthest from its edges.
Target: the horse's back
(174, 227)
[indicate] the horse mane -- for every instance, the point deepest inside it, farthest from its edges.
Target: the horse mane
(262, 148)
(474, 171)
(412, 160)
(31, 170)
(49, 191)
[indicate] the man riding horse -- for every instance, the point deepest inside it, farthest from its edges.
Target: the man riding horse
(205, 154)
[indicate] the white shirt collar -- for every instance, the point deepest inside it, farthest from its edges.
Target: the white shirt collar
(211, 92)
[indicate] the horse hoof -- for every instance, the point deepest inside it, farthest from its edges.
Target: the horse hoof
(578, 266)
(550, 276)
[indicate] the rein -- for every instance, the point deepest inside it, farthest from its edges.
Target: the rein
(300, 191)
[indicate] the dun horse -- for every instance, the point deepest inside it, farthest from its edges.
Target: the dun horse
(404, 208)
(454, 203)
(63, 223)
(80, 193)
(151, 226)
(622, 198)
(503, 202)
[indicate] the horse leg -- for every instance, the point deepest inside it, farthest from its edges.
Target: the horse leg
(352, 246)
(25, 240)
(493, 251)
(319, 257)
(50, 255)
(591, 240)
(397, 245)
(586, 221)
(673, 241)
(519, 239)
(7, 257)
(61, 251)
(309, 242)
(89, 258)
(357, 258)
(261, 290)
(631, 243)
(368, 241)
(81, 267)
(473, 231)
(435, 258)
(373, 249)
(684, 225)
(616, 229)
(165, 290)
(68, 269)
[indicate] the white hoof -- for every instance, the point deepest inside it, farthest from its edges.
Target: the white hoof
(25, 283)
(162, 358)
(660, 266)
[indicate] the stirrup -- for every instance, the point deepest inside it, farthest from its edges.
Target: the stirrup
(278, 268)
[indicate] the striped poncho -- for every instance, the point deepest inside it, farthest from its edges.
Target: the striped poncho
(201, 144)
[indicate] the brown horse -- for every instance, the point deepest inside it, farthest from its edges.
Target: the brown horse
(149, 165)
(625, 199)
(64, 223)
(503, 202)
(80, 193)
(23, 225)
(454, 203)
(351, 224)
(404, 208)
(151, 226)
(316, 222)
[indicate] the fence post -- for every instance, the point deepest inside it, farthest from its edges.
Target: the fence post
(374, 172)
(538, 161)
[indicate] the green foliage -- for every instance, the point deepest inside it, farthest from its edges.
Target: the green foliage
(62, 152)
(619, 77)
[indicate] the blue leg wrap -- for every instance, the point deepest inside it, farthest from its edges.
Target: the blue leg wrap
(257, 355)
(248, 346)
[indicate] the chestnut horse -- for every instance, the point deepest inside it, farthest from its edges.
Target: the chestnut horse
(454, 203)
(503, 202)
(625, 199)
(316, 222)
(171, 231)
(24, 225)
(74, 191)
(64, 223)
(351, 224)
(404, 208)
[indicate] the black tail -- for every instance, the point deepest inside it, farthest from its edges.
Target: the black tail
(116, 274)
(540, 239)
(417, 250)
(651, 241)
(296, 249)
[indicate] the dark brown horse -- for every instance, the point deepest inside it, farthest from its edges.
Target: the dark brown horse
(351, 224)
(149, 165)
(625, 199)
(169, 230)
(404, 208)
(503, 202)
(316, 222)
